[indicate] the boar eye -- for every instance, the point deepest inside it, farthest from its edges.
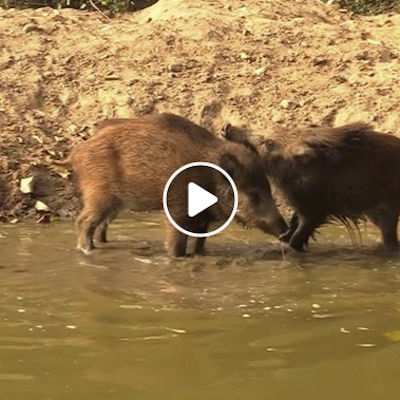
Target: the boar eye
(269, 144)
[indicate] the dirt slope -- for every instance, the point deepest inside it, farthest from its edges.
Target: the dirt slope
(260, 63)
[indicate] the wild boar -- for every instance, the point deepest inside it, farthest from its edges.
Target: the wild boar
(128, 162)
(344, 173)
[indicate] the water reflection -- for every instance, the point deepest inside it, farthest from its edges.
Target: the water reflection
(128, 322)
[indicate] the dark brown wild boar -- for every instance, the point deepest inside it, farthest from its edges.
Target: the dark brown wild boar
(344, 173)
(128, 162)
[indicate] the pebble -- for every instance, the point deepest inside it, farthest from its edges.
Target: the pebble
(32, 28)
(260, 71)
(277, 117)
(288, 104)
(176, 68)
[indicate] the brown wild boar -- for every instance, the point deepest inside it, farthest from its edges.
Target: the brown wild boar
(128, 162)
(344, 173)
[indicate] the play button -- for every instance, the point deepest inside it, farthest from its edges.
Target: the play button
(199, 193)
(199, 199)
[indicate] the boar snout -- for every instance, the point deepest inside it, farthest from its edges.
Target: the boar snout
(273, 226)
(272, 222)
(264, 215)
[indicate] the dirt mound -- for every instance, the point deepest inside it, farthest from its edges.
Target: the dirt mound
(268, 62)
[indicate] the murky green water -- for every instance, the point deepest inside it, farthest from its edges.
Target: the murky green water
(241, 323)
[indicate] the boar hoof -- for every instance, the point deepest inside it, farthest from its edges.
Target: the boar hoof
(177, 255)
(292, 249)
(176, 252)
(301, 248)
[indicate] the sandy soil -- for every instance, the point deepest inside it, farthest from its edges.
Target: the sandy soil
(261, 63)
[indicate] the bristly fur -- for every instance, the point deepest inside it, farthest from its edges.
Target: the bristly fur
(310, 143)
(127, 163)
(352, 224)
(344, 174)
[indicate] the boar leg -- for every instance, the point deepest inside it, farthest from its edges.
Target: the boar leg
(387, 221)
(100, 234)
(200, 242)
(176, 242)
(94, 212)
(304, 231)
(293, 225)
(86, 224)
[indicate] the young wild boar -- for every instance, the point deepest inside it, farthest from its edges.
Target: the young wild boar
(128, 162)
(343, 173)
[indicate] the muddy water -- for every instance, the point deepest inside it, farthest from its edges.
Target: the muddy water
(240, 323)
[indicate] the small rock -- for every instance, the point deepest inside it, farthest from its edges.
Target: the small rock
(374, 42)
(288, 104)
(363, 55)
(320, 61)
(32, 28)
(277, 117)
(260, 71)
(387, 56)
(40, 206)
(175, 68)
(112, 78)
(26, 185)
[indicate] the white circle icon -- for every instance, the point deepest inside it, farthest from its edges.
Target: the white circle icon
(199, 199)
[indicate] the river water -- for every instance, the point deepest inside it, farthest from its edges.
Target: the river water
(243, 322)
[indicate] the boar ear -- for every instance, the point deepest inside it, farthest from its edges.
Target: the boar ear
(234, 134)
(231, 165)
(226, 130)
(267, 145)
(238, 135)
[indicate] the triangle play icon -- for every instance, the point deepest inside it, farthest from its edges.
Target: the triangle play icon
(199, 199)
